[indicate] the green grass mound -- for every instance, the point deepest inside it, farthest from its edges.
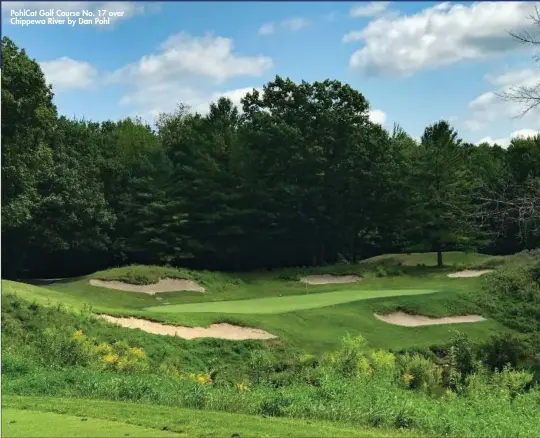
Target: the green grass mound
(39, 294)
(285, 304)
(145, 275)
(456, 259)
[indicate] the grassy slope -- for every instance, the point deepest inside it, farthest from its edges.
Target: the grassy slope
(314, 329)
(37, 416)
(451, 258)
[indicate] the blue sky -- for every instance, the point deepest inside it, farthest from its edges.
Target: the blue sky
(416, 62)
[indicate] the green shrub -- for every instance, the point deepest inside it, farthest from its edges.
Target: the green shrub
(350, 360)
(420, 373)
(275, 406)
(507, 349)
(15, 365)
(511, 295)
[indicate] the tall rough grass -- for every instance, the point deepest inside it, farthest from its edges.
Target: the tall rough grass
(354, 385)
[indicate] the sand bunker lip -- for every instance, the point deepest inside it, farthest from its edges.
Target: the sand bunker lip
(220, 331)
(163, 285)
(470, 273)
(408, 320)
(330, 279)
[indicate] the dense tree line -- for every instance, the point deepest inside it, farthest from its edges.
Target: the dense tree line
(298, 175)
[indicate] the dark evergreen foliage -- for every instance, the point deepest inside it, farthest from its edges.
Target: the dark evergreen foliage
(300, 176)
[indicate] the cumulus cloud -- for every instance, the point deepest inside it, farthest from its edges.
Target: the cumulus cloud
(295, 23)
(377, 116)
(371, 9)
(505, 142)
(489, 108)
(440, 35)
(186, 69)
(129, 9)
(235, 96)
(267, 29)
(68, 74)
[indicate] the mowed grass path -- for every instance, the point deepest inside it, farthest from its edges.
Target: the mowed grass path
(63, 417)
(286, 304)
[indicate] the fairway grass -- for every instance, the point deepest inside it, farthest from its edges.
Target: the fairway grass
(18, 423)
(62, 417)
(310, 318)
(285, 304)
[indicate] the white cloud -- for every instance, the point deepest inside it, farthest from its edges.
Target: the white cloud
(441, 35)
(377, 116)
(185, 69)
(183, 55)
(296, 23)
(293, 24)
(489, 107)
(234, 95)
(505, 142)
(129, 9)
(66, 73)
(267, 29)
(371, 9)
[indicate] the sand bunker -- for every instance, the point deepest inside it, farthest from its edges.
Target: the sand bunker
(330, 279)
(469, 273)
(163, 285)
(221, 331)
(408, 320)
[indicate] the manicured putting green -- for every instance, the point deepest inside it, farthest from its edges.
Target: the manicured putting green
(22, 423)
(285, 304)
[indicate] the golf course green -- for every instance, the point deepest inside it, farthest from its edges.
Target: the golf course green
(286, 304)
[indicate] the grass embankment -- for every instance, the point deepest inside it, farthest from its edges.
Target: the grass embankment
(58, 417)
(48, 352)
(315, 316)
(354, 387)
(454, 259)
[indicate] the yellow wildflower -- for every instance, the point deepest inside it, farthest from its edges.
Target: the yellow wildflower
(138, 352)
(103, 349)
(203, 379)
(242, 387)
(110, 359)
(124, 364)
(78, 335)
(408, 378)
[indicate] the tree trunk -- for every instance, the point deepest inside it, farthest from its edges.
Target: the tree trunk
(439, 256)
(353, 248)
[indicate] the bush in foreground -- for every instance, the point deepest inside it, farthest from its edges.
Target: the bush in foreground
(354, 385)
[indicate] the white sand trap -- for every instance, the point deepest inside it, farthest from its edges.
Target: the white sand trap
(469, 273)
(408, 320)
(221, 331)
(330, 279)
(163, 285)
